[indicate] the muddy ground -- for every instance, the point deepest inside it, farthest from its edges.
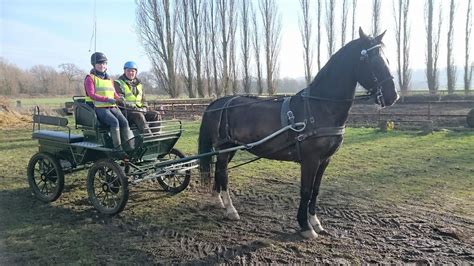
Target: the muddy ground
(358, 230)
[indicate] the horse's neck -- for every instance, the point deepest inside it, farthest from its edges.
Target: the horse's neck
(338, 80)
(337, 85)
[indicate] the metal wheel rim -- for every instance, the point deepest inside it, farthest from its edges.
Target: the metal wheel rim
(45, 176)
(107, 188)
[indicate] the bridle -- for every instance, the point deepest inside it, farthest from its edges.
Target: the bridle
(375, 90)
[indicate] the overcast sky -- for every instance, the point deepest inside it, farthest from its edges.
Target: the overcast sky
(51, 32)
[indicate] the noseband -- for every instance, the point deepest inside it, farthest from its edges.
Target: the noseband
(375, 90)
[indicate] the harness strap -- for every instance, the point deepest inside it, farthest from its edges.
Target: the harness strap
(225, 117)
(285, 109)
(322, 132)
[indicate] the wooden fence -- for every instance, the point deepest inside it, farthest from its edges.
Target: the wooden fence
(446, 114)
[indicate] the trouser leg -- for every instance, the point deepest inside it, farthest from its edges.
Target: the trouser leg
(155, 117)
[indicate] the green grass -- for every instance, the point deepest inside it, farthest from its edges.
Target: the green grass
(434, 170)
(53, 102)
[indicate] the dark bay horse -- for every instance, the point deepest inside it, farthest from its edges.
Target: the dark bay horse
(323, 107)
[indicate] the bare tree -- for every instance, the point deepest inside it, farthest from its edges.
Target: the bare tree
(47, 81)
(272, 28)
(186, 45)
(432, 47)
(245, 44)
(450, 67)
(207, 47)
(468, 70)
(344, 21)
(150, 83)
(330, 27)
(214, 47)
(402, 36)
(257, 50)
(156, 26)
(233, 17)
(306, 27)
(224, 17)
(376, 6)
(10, 77)
(354, 7)
(318, 34)
(73, 75)
(197, 9)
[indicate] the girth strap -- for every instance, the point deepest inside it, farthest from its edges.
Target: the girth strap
(321, 132)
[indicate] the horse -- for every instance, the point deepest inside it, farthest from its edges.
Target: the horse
(323, 108)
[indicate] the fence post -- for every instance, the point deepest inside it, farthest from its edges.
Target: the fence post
(429, 111)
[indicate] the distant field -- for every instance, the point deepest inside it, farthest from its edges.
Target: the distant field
(52, 102)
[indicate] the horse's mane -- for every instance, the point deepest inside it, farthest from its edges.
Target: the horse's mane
(335, 59)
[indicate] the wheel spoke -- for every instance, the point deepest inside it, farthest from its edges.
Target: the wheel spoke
(44, 185)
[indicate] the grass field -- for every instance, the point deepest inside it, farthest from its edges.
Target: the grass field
(394, 168)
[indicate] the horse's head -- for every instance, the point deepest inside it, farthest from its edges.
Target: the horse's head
(373, 72)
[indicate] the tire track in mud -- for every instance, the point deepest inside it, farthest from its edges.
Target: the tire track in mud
(358, 230)
(407, 235)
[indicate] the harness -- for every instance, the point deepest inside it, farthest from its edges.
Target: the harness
(310, 129)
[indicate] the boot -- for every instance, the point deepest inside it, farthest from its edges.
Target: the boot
(115, 134)
(128, 137)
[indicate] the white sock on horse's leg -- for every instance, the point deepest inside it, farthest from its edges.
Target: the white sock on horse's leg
(218, 202)
(231, 212)
(309, 234)
(314, 221)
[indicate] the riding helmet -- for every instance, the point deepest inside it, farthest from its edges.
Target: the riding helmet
(130, 64)
(98, 57)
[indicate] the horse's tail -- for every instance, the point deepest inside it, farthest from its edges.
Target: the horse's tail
(205, 146)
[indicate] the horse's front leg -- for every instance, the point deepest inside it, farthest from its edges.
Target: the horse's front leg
(313, 219)
(308, 173)
(221, 188)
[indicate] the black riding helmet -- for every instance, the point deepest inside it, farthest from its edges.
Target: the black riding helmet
(98, 57)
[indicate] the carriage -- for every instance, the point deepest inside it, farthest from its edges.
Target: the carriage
(111, 170)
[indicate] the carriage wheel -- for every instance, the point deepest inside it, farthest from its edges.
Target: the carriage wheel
(45, 176)
(177, 182)
(107, 187)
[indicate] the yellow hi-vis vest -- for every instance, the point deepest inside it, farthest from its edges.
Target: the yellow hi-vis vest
(130, 98)
(103, 87)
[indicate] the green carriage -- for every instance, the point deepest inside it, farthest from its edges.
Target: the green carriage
(110, 170)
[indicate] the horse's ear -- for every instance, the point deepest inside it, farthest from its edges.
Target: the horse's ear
(362, 35)
(378, 39)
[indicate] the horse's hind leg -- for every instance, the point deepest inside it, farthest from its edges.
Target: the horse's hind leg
(220, 185)
(313, 219)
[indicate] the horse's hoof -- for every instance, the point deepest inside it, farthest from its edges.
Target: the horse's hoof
(309, 234)
(232, 215)
(318, 228)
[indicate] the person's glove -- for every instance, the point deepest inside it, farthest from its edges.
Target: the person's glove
(110, 100)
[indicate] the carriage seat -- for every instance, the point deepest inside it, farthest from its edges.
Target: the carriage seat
(58, 136)
(85, 115)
